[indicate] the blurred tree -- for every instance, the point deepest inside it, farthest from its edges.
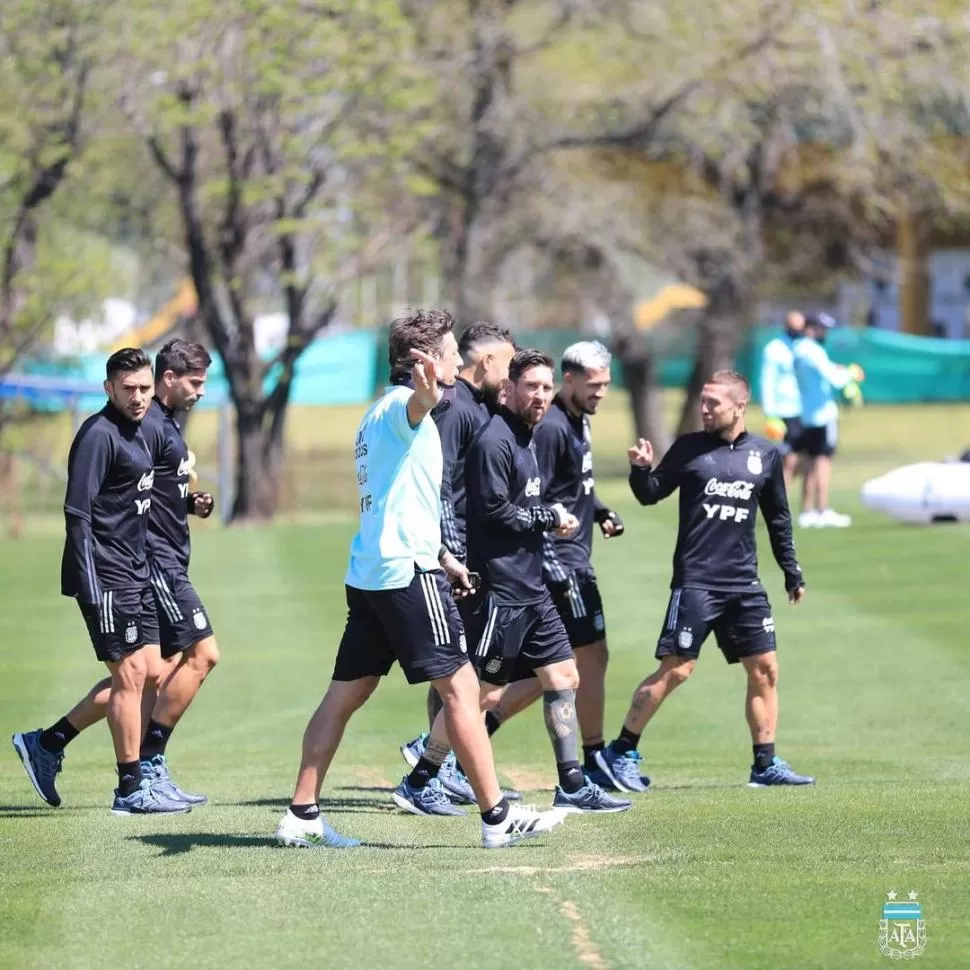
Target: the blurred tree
(278, 128)
(46, 56)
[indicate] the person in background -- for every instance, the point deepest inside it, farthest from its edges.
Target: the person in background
(780, 398)
(819, 378)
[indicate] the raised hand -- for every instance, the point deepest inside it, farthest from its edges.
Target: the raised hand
(426, 390)
(641, 454)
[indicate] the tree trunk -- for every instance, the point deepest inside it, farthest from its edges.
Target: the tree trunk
(256, 491)
(720, 333)
(638, 371)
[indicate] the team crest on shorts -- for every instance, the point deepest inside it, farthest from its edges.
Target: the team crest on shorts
(768, 624)
(493, 666)
(754, 462)
(462, 643)
(599, 623)
(685, 639)
(198, 618)
(131, 632)
(902, 929)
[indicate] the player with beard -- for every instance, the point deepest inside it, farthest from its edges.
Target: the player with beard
(188, 647)
(110, 474)
(725, 474)
(524, 635)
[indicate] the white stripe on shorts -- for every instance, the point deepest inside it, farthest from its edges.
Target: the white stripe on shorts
(486, 639)
(436, 611)
(165, 597)
(673, 609)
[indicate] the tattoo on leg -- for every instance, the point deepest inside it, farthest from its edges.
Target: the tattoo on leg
(559, 709)
(435, 751)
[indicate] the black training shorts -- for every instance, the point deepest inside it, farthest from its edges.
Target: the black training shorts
(741, 622)
(122, 622)
(580, 606)
(417, 625)
(182, 619)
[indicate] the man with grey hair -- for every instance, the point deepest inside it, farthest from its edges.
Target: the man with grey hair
(563, 443)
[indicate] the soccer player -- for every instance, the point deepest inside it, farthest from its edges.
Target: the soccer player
(818, 379)
(105, 568)
(400, 604)
(524, 634)
(780, 397)
(725, 474)
(563, 443)
(485, 350)
(188, 647)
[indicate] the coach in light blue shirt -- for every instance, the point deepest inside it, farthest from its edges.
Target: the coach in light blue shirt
(399, 471)
(818, 380)
(780, 398)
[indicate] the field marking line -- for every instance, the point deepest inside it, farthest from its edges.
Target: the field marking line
(579, 936)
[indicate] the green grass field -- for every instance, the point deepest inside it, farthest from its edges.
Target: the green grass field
(703, 873)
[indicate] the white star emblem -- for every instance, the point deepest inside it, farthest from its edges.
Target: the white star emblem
(892, 894)
(912, 897)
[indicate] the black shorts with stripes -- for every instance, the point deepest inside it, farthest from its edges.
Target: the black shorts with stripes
(182, 619)
(581, 607)
(741, 623)
(519, 639)
(417, 625)
(122, 622)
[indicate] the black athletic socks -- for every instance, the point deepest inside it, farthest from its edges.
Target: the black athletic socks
(764, 754)
(589, 755)
(423, 772)
(129, 777)
(156, 737)
(571, 777)
(627, 741)
(498, 814)
(306, 813)
(58, 736)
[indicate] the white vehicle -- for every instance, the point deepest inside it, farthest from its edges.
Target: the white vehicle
(924, 493)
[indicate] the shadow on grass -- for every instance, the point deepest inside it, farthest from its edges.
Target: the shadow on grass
(335, 804)
(180, 843)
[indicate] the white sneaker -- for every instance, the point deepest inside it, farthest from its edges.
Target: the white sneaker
(522, 822)
(310, 834)
(830, 519)
(809, 520)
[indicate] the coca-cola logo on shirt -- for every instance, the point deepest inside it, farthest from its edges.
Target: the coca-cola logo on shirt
(740, 490)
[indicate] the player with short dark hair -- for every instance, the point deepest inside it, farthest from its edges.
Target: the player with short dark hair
(188, 646)
(523, 634)
(105, 568)
(485, 349)
(725, 474)
(400, 605)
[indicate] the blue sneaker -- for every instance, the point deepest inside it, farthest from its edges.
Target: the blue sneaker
(42, 766)
(589, 798)
(411, 751)
(779, 772)
(147, 800)
(430, 800)
(622, 769)
(156, 771)
(455, 782)
(312, 834)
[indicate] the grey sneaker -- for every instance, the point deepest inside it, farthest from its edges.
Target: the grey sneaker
(455, 782)
(147, 800)
(590, 798)
(156, 771)
(430, 800)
